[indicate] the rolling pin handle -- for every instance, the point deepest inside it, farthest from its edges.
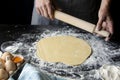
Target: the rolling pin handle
(101, 32)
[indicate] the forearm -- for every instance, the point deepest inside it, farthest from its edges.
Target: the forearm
(105, 4)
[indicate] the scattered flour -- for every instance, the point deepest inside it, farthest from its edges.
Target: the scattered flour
(11, 46)
(110, 72)
(103, 53)
(0, 53)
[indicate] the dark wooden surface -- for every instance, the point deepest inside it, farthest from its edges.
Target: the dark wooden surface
(11, 32)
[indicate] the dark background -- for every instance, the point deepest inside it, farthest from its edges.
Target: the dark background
(20, 11)
(16, 11)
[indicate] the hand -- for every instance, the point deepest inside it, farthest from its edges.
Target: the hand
(105, 21)
(44, 8)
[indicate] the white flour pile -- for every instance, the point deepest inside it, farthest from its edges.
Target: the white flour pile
(103, 53)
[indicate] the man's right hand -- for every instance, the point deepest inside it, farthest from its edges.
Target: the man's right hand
(44, 8)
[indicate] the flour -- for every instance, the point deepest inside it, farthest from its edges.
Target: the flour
(110, 72)
(103, 53)
(11, 46)
(0, 53)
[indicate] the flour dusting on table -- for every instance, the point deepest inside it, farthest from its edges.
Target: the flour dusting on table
(103, 53)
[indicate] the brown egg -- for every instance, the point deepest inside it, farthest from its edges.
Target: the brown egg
(6, 54)
(2, 64)
(10, 65)
(3, 74)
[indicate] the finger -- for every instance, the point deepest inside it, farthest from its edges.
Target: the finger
(97, 35)
(50, 11)
(110, 30)
(107, 38)
(38, 11)
(104, 24)
(45, 14)
(41, 11)
(110, 25)
(99, 24)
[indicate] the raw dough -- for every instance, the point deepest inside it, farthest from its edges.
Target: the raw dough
(66, 49)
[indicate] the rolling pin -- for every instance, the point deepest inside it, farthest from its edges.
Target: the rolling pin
(79, 23)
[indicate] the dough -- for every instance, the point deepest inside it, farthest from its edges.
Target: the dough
(66, 49)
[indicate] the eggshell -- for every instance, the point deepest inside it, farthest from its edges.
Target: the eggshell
(3, 74)
(2, 64)
(18, 59)
(10, 65)
(6, 54)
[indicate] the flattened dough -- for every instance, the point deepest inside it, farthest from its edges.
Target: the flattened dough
(66, 49)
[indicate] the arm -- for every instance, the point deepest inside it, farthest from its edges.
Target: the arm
(105, 21)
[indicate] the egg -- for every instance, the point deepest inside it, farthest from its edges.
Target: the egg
(6, 54)
(3, 74)
(1, 66)
(10, 65)
(18, 59)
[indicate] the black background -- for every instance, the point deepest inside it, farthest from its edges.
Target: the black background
(16, 11)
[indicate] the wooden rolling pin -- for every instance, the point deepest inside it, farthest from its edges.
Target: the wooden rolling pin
(79, 23)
